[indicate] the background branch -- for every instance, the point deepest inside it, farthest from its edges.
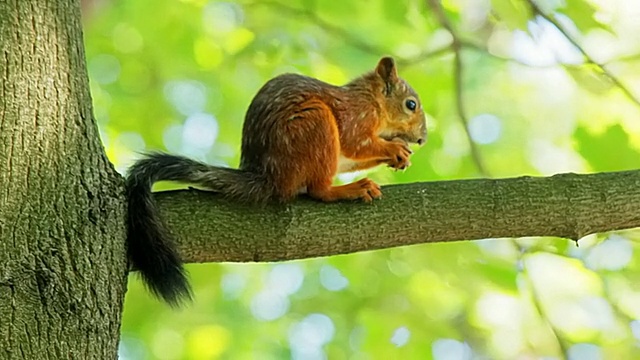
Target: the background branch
(345, 35)
(565, 205)
(456, 46)
(537, 302)
(311, 16)
(552, 20)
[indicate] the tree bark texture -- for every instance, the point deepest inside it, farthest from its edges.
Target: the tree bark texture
(208, 228)
(63, 267)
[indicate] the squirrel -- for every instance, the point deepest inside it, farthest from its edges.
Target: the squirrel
(298, 133)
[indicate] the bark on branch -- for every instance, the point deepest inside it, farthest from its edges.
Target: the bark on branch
(210, 229)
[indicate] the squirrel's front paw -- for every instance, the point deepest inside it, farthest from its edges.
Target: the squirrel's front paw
(399, 153)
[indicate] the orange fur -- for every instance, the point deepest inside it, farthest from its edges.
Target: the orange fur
(297, 128)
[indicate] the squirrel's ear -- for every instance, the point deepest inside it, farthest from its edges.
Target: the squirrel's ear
(386, 69)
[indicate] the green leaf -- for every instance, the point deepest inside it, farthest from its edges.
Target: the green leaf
(590, 78)
(609, 151)
(499, 273)
(582, 13)
(395, 11)
(515, 14)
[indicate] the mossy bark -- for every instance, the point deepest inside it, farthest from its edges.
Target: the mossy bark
(571, 206)
(63, 267)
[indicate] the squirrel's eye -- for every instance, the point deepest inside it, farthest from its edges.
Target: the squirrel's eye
(410, 104)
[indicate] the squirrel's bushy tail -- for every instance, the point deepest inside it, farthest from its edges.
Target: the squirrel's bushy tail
(150, 248)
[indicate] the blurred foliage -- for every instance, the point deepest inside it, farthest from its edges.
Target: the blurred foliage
(179, 75)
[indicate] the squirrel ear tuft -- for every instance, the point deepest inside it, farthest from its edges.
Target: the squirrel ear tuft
(386, 69)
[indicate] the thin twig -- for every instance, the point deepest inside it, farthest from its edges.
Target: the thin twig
(538, 304)
(345, 35)
(552, 20)
(325, 25)
(456, 47)
(423, 56)
(480, 48)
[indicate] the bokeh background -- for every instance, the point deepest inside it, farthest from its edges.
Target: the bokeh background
(540, 88)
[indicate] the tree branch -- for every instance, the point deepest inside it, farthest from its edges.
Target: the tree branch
(456, 47)
(345, 35)
(537, 302)
(603, 69)
(211, 229)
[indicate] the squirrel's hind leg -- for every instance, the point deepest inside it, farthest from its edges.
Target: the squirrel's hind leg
(364, 189)
(307, 154)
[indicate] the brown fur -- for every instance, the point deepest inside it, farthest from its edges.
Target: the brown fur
(297, 128)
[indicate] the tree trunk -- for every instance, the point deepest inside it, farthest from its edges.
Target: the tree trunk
(63, 267)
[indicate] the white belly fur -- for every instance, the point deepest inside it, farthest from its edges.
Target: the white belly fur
(346, 165)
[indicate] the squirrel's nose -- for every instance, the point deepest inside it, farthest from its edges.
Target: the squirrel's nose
(423, 138)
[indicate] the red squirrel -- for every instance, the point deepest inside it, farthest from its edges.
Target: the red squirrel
(298, 133)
